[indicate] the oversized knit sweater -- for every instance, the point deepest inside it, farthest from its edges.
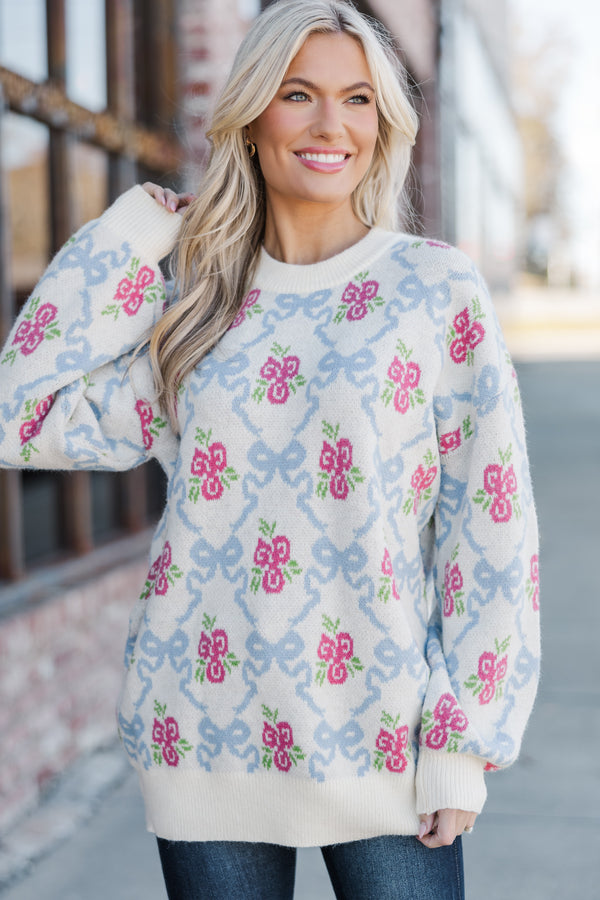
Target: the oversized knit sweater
(339, 626)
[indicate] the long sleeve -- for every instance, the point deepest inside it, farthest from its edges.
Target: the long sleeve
(483, 638)
(73, 391)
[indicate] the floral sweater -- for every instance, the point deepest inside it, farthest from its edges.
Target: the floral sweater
(339, 626)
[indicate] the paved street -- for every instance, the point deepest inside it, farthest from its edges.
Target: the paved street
(540, 834)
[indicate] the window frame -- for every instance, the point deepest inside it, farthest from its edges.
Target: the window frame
(136, 132)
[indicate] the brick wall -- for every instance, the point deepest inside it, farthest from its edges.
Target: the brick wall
(414, 25)
(210, 32)
(60, 673)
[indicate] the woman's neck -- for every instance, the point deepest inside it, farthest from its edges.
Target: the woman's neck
(311, 233)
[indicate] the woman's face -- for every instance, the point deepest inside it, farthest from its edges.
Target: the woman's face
(315, 139)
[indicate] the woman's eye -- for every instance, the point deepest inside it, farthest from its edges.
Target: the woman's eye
(297, 96)
(360, 98)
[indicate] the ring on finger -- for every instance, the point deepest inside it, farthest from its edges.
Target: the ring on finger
(468, 829)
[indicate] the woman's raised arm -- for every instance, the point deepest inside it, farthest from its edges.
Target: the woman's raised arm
(70, 395)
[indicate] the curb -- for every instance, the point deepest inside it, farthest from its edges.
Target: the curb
(69, 803)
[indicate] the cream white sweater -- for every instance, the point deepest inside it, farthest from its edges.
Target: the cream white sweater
(339, 626)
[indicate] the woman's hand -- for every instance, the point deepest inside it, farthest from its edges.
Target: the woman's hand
(169, 199)
(439, 829)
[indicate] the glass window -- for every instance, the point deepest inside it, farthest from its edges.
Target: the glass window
(25, 164)
(86, 53)
(105, 505)
(23, 38)
(41, 524)
(89, 166)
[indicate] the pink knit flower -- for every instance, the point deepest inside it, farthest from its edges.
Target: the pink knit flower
(167, 743)
(357, 297)
(487, 683)
(162, 573)
(250, 301)
(453, 583)
(272, 559)
(159, 570)
(450, 441)
(144, 411)
(131, 292)
(500, 484)
(336, 654)
(278, 742)
(32, 427)
(279, 374)
(31, 332)
(215, 659)
(469, 335)
(491, 671)
(337, 461)
(214, 650)
(387, 582)
(208, 465)
(388, 572)
(447, 718)
(406, 376)
(421, 480)
(391, 745)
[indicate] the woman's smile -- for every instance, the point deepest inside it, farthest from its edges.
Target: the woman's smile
(326, 161)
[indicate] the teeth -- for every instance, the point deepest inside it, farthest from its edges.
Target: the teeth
(323, 157)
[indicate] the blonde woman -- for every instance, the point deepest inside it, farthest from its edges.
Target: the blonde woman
(338, 632)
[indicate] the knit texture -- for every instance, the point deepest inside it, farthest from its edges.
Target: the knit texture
(339, 626)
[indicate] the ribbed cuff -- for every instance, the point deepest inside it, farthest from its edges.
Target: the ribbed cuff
(145, 223)
(449, 781)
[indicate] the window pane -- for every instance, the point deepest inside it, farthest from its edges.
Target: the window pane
(86, 53)
(25, 164)
(41, 522)
(89, 166)
(157, 489)
(105, 505)
(23, 37)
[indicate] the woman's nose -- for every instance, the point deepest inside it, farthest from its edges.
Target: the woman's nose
(328, 120)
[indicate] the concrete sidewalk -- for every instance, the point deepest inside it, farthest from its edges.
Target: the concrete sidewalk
(539, 836)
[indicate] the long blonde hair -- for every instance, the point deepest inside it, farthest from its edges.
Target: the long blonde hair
(220, 238)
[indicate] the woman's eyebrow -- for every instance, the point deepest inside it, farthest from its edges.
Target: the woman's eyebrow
(314, 87)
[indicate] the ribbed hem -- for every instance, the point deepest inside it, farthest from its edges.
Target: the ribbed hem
(449, 781)
(273, 275)
(143, 222)
(275, 808)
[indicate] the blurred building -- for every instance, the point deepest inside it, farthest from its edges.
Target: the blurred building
(95, 96)
(481, 156)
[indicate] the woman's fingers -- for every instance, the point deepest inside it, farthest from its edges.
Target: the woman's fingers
(186, 199)
(441, 828)
(168, 198)
(426, 826)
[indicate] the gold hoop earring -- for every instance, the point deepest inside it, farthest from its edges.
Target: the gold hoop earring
(251, 147)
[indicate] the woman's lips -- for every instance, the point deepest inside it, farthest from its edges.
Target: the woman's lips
(318, 161)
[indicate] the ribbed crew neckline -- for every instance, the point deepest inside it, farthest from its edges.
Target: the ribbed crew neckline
(271, 274)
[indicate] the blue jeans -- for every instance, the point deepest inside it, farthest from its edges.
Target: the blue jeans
(379, 868)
